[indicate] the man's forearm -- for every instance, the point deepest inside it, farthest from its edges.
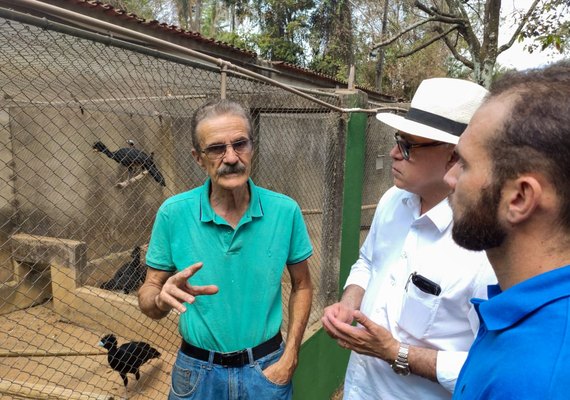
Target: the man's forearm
(352, 297)
(423, 362)
(299, 311)
(148, 296)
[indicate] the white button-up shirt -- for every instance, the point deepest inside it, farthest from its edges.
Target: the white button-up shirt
(401, 242)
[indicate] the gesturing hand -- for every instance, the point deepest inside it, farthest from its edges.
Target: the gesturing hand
(177, 290)
(370, 339)
(338, 312)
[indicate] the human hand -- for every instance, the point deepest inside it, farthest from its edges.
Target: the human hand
(177, 290)
(278, 373)
(338, 312)
(370, 339)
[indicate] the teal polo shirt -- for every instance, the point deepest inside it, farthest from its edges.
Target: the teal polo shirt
(246, 263)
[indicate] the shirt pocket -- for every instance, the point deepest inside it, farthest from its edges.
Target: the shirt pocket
(418, 312)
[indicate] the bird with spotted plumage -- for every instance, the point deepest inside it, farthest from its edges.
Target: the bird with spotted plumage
(128, 357)
(132, 158)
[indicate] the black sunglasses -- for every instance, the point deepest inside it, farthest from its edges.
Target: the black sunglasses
(406, 146)
(217, 151)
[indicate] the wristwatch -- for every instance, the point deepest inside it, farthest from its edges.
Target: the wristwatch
(400, 364)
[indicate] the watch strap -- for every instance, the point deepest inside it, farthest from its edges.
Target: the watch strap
(401, 365)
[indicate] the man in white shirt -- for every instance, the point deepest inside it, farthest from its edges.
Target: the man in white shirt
(409, 290)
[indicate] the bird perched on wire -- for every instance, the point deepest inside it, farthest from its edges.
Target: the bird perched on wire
(130, 276)
(132, 158)
(127, 358)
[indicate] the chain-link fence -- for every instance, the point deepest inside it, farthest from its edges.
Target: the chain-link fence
(72, 219)
(377, 170)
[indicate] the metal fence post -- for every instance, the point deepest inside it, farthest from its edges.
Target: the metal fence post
(353, 185)
(322, 364)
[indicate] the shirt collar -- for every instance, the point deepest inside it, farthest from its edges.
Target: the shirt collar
(504, 309)
(440, 216)
(207, 213)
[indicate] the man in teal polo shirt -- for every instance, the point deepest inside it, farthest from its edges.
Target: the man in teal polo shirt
(217, 255)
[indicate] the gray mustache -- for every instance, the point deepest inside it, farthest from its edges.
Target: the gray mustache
(227, 169)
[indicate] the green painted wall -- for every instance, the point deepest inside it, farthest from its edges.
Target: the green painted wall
(322, 363)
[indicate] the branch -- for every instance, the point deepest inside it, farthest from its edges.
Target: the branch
(124, 184)
(436, 16)
(508, 45)
(426, 44)
(466, 31)
(435, 12)
(400, 34)
(14, 354)
(475, 11)
(468, 63)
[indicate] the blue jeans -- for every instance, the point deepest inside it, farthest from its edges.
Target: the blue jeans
(204, 380)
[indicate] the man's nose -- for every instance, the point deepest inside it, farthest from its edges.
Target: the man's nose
(395, 152)
(230, 156)
(450, 177)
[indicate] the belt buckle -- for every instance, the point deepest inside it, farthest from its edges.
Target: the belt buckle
(230, 359)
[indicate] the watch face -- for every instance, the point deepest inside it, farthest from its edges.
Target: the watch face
(401, 369)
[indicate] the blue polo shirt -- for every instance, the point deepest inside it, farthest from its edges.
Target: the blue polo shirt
(522, 350)
(246, 263)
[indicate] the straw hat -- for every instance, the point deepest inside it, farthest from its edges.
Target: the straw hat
(440, 110)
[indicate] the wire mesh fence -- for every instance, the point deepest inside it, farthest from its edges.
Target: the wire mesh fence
(73, 220)
(377, 171)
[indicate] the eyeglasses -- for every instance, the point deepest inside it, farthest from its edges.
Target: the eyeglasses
(406, 146)
(217, 151)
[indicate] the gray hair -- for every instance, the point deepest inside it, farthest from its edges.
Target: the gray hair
(214, 109)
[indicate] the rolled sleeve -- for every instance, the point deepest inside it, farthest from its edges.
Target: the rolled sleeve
(359, 275)
(448, 365)
(360, 272)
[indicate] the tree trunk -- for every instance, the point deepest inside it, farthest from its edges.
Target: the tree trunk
(381, 54)
(233, 18)
(490, 47)
(197, 25)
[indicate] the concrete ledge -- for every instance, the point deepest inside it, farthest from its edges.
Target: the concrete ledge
(62, 263)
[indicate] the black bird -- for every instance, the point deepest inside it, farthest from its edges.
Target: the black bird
(132, 158)
(129, 277)
(127, 358)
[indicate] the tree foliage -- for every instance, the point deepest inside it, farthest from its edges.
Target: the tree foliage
(283, 29)
(470, 31)
(148, 9)
(332, 38)
(548, 26)
(394, 44)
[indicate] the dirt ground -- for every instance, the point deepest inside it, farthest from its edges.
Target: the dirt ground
(44, 357)
(337, 395)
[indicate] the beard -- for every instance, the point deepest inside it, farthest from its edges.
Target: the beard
(478, 228)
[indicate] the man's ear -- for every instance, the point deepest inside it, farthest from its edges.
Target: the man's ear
(521, 197)
(197, 158)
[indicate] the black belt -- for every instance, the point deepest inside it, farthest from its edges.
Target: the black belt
(234, 359)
